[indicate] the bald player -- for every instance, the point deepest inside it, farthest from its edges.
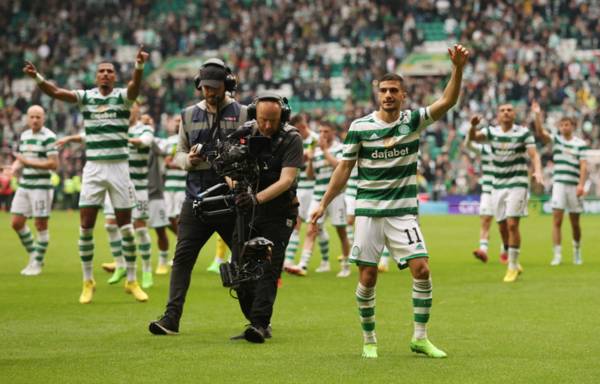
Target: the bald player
(36, 157)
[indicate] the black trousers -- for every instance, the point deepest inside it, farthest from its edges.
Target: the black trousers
(258, 297)
(192, 234)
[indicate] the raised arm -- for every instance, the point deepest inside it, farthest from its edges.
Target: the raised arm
(47, 87)
(459, 56)
(474, 134)
(539, 127)
(133, 87)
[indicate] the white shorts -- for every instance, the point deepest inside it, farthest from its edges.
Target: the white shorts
(157, 211)
(485, 205)
(336, 211)
(401, 235)
(32, 202)
(564, 197)
(101, 178)
(350, 205)
(509, 202)
(304, 199)
(139, 211)
(174, 202)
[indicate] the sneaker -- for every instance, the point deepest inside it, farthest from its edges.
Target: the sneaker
(118, 275)
(481, 255)
(425, 347)
(87, 293)
(34, 268)
(164, 326)
(255, 334)
(109, 267)
(162, 269)
(369, 351)
(323, 267)
(511, 275)
(345, 271)
(214, 267)
(295, 270)
(504, 257)
(556, 260)
(382, 267)
(147, 280)
(133, 288)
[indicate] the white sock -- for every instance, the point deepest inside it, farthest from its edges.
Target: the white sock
(162, 257)
(577, 249)
(144, 244)
(43, 238)
(116, 244)
(483, 244)
(557, 251)
(513, 258)
(129, 251)
(86, 252)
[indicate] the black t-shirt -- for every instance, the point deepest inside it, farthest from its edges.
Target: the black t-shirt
(286, 151)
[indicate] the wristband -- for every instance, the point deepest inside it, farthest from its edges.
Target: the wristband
(139, 66)
(39, 79)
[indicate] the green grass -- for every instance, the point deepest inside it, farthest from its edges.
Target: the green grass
(542, 329)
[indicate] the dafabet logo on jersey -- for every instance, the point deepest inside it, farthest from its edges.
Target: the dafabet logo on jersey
(390, 153)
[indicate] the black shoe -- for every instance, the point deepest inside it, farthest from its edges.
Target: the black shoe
(164, 326)
(255, 334)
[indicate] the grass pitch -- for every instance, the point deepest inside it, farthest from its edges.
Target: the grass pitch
(542, 329)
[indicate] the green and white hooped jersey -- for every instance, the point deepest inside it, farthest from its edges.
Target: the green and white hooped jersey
(38, 145)
(487, 168)
(106, 123)
(566, 155)
(174, 178)
(386, 155)
(310, 143)
(509, 155)
(323, 170)
(138, 156)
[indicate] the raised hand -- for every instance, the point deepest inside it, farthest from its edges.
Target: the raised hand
(458, 55)
(141, 56)
(29, 69)
(535, 108)
(475, 120)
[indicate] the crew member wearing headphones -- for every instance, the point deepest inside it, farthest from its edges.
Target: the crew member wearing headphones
(202, 125)
(275, 207)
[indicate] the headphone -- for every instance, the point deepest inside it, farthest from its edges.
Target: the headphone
(286, 111)
(230, 80)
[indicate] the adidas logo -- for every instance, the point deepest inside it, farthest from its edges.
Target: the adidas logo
(419, 246)
(374, 137)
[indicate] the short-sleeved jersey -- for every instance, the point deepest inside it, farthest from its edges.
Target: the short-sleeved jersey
(309, 144)
(174, 178)
(323, 170)
(567, 155)
(106, 123)
(487, 169)
(509, 155)
(138, 155)
(37, 145)
(386, 155)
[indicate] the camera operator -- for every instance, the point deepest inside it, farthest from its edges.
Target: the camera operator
(275, 208)
(203, 125)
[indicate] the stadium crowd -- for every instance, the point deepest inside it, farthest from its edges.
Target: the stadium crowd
(520, 53)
